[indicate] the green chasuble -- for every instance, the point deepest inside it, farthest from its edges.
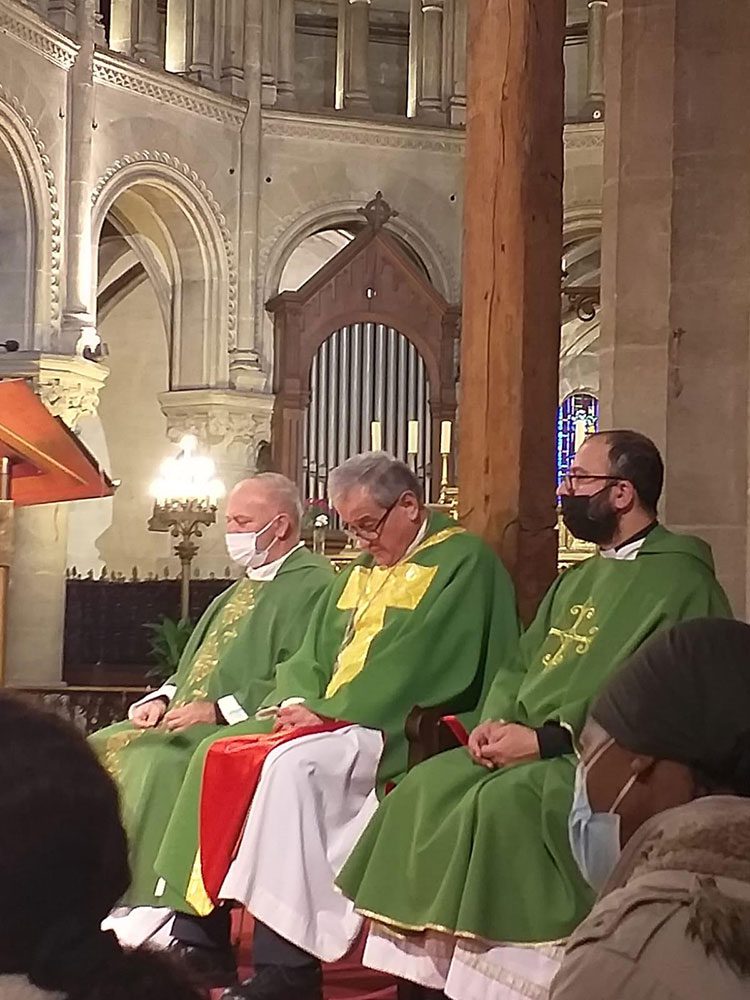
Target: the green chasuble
(479, 853)
(234, 650)
(430, 630)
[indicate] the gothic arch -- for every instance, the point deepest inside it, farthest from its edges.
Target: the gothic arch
(37, 220)
(371, 281)
(157, 196)
(278, 248)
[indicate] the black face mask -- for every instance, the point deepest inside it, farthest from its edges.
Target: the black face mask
(588, 519)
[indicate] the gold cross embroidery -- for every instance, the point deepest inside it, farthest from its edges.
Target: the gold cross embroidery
(575, 638)
(368, 594)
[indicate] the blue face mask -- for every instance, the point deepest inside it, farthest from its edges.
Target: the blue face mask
(595, 837)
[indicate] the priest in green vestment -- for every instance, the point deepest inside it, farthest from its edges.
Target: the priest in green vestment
(422, 617)
(226, 670)
(472, 846)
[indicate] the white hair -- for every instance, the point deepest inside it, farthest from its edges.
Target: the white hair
(385, 478)
(284, 492)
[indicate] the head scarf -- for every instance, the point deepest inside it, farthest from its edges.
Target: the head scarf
(685, 696)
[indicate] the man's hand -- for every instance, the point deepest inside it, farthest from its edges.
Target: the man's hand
(194, 714)
(484, 734)
(295, 717)
(149, 715)
(514, 744)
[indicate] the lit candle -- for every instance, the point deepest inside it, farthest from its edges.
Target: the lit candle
(445, 437)
(413, 446)
(376, 437)
(580, 435)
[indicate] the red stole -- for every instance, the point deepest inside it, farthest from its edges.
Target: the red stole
(230, 778)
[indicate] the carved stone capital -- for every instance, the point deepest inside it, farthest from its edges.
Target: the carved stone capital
(230, 424)
(68, 385)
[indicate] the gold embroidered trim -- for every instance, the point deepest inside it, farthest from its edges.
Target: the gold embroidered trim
(221, 632)
(369, 593)
(572, 639)
(113, 747)
(391, 924)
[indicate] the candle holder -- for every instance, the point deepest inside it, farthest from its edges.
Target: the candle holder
(448, 496)
(186, 498)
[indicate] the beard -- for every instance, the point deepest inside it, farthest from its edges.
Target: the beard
(590, 518)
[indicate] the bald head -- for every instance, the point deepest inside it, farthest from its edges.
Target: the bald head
(267, 501)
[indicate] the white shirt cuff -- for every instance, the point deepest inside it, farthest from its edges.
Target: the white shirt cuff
(271, 711)
(231, 710)
(167, 691)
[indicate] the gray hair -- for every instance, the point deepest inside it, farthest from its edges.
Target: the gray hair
(385, 478)
(284, 492)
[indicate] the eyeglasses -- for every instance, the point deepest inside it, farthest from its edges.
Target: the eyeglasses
(570, 479)
(370, 534)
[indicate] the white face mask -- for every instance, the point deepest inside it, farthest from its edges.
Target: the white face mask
(243, 549)
(595, 837)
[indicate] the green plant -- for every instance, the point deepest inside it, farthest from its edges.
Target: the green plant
(167, 641)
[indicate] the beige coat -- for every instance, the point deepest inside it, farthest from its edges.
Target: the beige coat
(674, 921)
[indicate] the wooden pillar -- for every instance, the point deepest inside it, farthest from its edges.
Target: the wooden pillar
(512, 252)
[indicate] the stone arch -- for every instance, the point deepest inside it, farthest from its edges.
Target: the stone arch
(157, 197)
(278, 248)
(579, 348)
(31, 214)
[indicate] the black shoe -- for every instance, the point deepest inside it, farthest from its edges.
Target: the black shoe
(211, 967)
(280, 982)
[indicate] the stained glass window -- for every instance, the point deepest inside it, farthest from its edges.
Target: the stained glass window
(578, 416)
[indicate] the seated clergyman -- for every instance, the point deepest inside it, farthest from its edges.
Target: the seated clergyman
(423, 616)
(466, 867)
(226, 670)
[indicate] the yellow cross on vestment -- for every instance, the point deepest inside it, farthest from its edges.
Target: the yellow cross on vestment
(368, 594)
(574, 638)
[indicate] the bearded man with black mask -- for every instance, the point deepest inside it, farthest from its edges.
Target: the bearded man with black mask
(466, 868)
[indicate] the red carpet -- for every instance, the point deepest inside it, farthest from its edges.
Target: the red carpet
(344, 980)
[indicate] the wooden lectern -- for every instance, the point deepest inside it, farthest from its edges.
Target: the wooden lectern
(41, 461)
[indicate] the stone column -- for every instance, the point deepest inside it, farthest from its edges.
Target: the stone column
(230, 426)
(69, 387)
(357, 94)
(201, 28)
(457, 107)
(135, 30)
(179, 14)
(245, 372)
(675, 258)
(415, 58)
(510, 338)
(63, 14)
(79, 310)
(232, 67)
(285, 87)
(596, 35)
(269, 51)
(431, 90)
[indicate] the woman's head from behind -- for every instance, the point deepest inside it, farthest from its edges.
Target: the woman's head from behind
(672, 725)
(63, 862)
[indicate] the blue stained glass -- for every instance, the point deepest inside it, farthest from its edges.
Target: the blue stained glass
(579, 406)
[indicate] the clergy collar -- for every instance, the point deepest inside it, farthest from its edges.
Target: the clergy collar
(268, 571)
(629, 549)
(418, 539)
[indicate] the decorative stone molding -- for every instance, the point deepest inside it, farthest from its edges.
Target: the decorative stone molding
(115, 71)
(589, 135)
(351, 132)
(55, 234)
(68, 385)
(171, 162)
(29, 29)
(231, 424)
